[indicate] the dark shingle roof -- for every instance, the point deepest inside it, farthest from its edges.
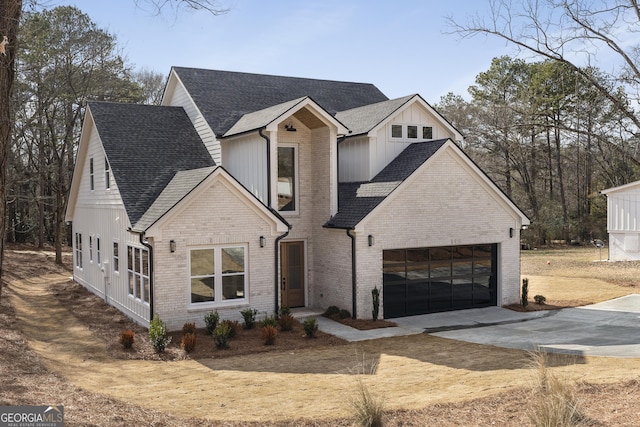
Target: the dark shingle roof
(357, 200)
(145, 146)
(223, 97)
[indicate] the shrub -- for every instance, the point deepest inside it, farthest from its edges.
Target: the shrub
(344, 314)
(525, 292)
(310, 326)
(553, 399)
(188, 342)
(269, 334)
(285, 322)
(331, 311)
(249, 316)
(211, 321)
(269, 321)
(158, 334)
(127, 338)
(221, 335)
(367, 407)
(539, 299)
(234, 327)
(375, 295)
(285, 310)
(189, 328)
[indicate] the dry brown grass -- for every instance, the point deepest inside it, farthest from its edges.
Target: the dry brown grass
(48, 356)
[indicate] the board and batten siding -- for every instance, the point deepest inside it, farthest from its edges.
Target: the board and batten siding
(623, 208)
(246, 159)
(100, 214)
(179, 97)
(445, 204)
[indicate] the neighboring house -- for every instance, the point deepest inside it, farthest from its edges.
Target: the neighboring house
(255, 191)
(623, 221)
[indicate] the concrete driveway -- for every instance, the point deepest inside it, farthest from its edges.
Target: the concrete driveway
(610, 328)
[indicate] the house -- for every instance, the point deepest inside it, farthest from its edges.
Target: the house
(256, 191)
(623, 221)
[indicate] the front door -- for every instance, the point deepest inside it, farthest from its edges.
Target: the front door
(292, 268)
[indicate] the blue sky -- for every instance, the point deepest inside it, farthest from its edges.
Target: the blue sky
(400, 46)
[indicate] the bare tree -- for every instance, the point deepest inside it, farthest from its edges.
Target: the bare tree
(578, 33)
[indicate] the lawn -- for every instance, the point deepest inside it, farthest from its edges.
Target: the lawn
(51, 354)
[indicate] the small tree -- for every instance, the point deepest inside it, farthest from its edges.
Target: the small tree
(158, 334)
(375, 294)
(525, 292)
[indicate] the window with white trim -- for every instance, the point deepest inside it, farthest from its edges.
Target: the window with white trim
(107, 174)
(427, 132)
(218, 274)
(396, 131)
(412, 131)
(287, 179)
(98, 250)
(91, 249)
(116, 257)
(138, 273)
(78, 250)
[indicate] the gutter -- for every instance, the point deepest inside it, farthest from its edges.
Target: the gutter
(266, 138)
(277, 267)
(353, 274)
(150, 248)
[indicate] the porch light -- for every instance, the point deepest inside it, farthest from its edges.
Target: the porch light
(289, 127)
(263, 241)
(172, 245)
(371, 240)
(511, 232)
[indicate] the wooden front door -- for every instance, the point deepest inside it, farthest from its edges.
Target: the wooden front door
(292, 274)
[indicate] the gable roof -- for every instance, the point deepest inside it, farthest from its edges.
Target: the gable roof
(362, 119)
(630, 186)
(145, 146)
(223, 97)
(357, 200)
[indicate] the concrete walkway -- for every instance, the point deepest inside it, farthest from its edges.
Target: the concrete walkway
(610, 328)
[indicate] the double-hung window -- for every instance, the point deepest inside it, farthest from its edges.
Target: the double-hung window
(78, 250)
(138, 272)
(218, 274)
(287, 179)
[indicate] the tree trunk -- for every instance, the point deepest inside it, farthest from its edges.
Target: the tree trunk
(10, 11)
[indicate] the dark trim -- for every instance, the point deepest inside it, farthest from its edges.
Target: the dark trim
(150, 248)
(266, 138)
(277, 268)
(354, 304)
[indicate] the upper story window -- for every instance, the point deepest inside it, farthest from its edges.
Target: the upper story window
(427, 132)
(287, 179)
(396, 131)
(107, 174)
(91, 176)
(412, 132)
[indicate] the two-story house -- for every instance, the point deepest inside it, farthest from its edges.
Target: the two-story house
(256, 191)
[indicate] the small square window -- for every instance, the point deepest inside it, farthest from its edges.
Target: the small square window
(412, 131)
(427, 132)
(396, 131)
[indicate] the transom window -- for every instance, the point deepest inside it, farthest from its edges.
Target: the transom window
(218, 274)
(138, 269)
(287, 179)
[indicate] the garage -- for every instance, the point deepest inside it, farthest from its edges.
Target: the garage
(430, 280)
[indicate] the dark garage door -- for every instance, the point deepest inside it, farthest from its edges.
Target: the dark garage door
(430, 280)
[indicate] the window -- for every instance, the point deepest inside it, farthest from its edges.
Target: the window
(116, 258)
(78, 250)
(98, 250)
(287, 179)
(427, 132)
(91, 178)
(217, 274)
(138, 273)
(107, 174)
(412, 132)
(396, 131)
(90, 248)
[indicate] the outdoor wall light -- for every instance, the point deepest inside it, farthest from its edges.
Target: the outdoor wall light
(263, 241)
(371, 240)
(511, 232)
(172, 245)
(289, 127)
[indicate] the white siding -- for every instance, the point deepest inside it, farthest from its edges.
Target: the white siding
(623, 209)
(180, 97)
(100, 214)
(354, 160)
(246, 159)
